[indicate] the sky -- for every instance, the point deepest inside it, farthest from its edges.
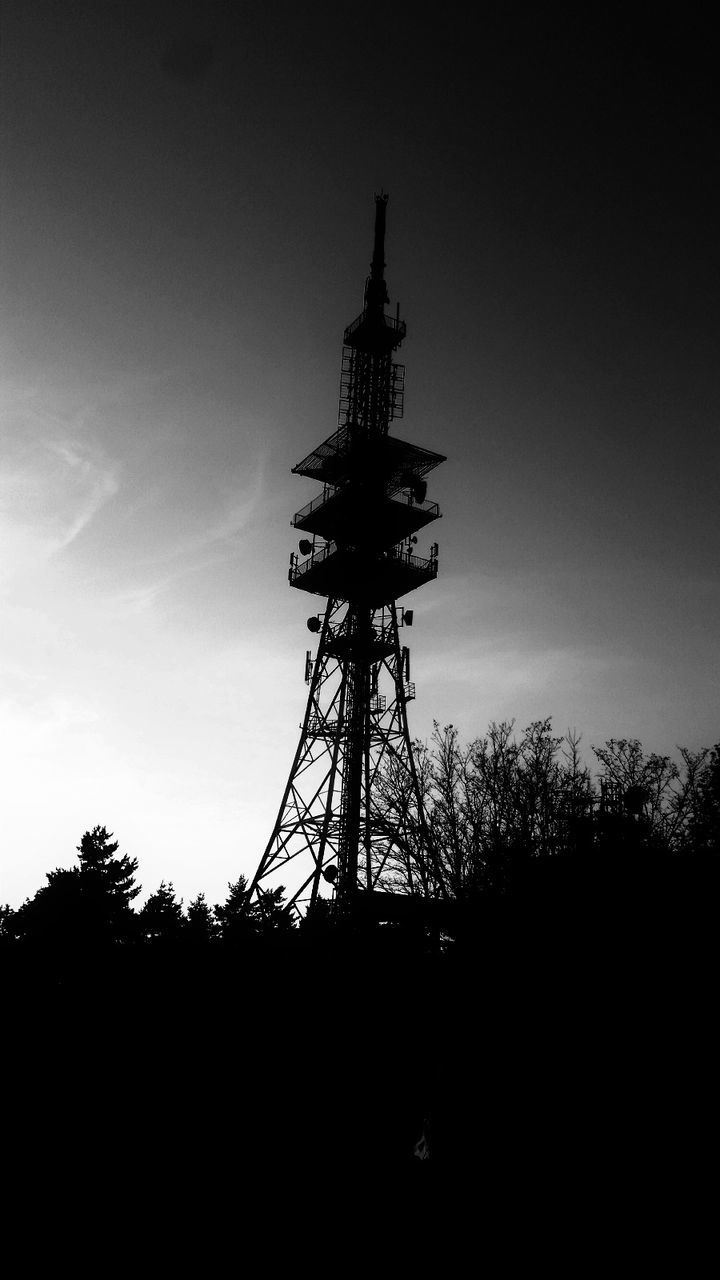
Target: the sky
(186, 228)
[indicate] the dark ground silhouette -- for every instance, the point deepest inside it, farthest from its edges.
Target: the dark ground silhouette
(559, 1052)
(547, 1039)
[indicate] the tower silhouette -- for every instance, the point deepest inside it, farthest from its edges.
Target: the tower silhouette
(351, 815)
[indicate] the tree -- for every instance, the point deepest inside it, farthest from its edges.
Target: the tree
(161, 918)
(271, 913)
(498, 808)
(644, 798)
(87, 905)
(451, 822)
(7, 923)
(200, 925)
(57, 914)
(576, 800)
(701, 812)
(487, 806)
(234, 917)
(108, 884)
(409, 864)
(540, 785)
(98, 862)
(239, 919)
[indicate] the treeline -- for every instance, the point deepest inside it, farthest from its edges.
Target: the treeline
(504, 801)
(90, 905)
(492, 809)
(189, 1034)
(571, 1008)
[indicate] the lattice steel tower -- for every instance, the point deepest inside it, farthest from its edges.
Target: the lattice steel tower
(341, 829)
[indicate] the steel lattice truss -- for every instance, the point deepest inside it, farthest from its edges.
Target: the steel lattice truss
(351, 820)
(307, 840)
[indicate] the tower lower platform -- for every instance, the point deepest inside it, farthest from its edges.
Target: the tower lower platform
(342, 571)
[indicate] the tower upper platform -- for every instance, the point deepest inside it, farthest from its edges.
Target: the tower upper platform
(373, 500)
(349, 450)
(378, 333)
(336, 515)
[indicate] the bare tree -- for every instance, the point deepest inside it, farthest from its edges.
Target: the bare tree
(487, 804)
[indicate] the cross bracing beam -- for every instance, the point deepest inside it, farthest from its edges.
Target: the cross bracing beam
(308, 832)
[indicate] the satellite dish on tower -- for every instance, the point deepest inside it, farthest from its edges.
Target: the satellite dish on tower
(314, 625)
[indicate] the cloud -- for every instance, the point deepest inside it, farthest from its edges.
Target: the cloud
(218, 532)
(100, 486)
(52, 485)
(137, 599)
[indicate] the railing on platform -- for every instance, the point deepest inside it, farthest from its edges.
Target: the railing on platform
(398, 554)
(404, 498)
(396, 326)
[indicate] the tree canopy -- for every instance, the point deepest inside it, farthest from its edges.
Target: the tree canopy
(504, 798)
(89, 904)
(500, 802)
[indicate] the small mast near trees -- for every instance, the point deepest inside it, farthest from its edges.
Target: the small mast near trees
(340, 830)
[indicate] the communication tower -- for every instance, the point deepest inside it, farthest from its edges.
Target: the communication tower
(352, 813)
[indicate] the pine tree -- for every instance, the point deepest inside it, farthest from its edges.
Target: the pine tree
(271, 913)
(235, 917)
(96, 852)
(200, 926)
(108, 886)
(87, 905)
(161, 919)
(239, 919)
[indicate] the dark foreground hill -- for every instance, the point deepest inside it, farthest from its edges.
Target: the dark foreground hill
(557, 1059)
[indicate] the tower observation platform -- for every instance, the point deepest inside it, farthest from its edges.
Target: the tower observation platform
(352, 812)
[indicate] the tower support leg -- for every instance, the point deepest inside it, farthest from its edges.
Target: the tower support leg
(352, 801)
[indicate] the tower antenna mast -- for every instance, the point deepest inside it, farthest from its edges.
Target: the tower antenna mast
(351, 823)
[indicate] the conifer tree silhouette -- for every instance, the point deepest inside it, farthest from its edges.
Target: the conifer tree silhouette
(161, 918)
(200, 925)
(96, 853)
(86, 905)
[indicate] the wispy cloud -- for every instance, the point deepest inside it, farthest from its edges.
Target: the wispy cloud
(96, 483)
(169, 556)
(138, 599)
(52, 485)
(217, 530)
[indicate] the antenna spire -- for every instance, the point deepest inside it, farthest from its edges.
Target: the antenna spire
(376, 294)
